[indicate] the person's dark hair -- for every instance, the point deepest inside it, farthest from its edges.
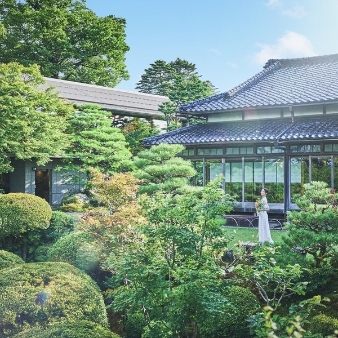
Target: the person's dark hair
(266, 190)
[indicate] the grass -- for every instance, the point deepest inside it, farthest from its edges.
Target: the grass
(240, 234)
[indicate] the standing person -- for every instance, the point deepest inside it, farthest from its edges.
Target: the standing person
(262, 207)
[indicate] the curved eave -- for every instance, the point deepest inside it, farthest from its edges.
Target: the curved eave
(205, 113)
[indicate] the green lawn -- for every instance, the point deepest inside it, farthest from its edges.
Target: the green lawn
(251, 235)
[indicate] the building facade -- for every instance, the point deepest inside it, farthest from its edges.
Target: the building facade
(278, 130)
(48, 181)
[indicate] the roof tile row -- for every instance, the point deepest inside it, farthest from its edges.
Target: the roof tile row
(314, 128)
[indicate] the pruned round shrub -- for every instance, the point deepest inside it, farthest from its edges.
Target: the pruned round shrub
(37, 294)
(20, 212)
(323, 324)
(77, 248)
(78, 329)
(8, 259)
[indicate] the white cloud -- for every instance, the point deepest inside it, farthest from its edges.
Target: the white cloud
(290, 45)
(295, 12)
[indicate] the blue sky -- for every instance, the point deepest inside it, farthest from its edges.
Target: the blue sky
(229, 41)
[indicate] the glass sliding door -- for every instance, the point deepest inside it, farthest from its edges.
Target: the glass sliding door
(198, 179)
(213, 169)
(299, 175)
(321, 169)
(234, 179)
(274, 179)
(253, 179)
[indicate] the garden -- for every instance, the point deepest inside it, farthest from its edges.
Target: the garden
(149, 255)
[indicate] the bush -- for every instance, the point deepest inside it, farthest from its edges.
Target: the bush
(135, 325)
(20, 212)
(34, 244)
(61, 224)
(231, 323)
(78, 329)
(76, 248)
(74, 203)
(8, 259)
(158, 329)
(323, 324)
(37, 294)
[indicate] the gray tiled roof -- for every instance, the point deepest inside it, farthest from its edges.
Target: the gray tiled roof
(314, 128)
(122, 102)
(282, 82)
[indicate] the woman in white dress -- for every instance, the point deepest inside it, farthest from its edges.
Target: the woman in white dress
(262, 207)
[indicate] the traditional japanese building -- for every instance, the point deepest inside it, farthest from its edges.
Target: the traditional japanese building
(278, 129)
(47, 181)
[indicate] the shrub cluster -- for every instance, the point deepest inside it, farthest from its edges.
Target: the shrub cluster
(37, 294)
(20, 212)
(8, 259)
(77, 329)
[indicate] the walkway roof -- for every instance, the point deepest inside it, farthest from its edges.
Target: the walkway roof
(121, 102)
(281, 130)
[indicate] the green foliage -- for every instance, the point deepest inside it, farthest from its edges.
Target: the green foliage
(323, 324)
(135, 131)
(8, 259)
(158, 78)
(96, 142)
(135, 325)
(66, 39)
(76, 329)
(37, 294)
(230, 321)
(179, 81)
(158, 168)
(158, 329)
(74, 203)
(21, 212)
(32, 121)
(313, 230)
(35, 243)
(270, 323)
(3, 31)
(172, 271)
(78, 249)
(273, 282)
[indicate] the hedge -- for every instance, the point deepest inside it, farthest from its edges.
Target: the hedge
(78, 329)
(37, 294)
(20, 212)
(8, 259)
(77, 248)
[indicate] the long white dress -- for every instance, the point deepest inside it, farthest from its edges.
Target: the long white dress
(263, 224)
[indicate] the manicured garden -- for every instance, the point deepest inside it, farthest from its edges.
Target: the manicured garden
(148, 255)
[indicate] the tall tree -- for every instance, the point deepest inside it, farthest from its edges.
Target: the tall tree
(172, 275)
(32, 121)
(179, 80)
(96, 143)
(66, 39)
